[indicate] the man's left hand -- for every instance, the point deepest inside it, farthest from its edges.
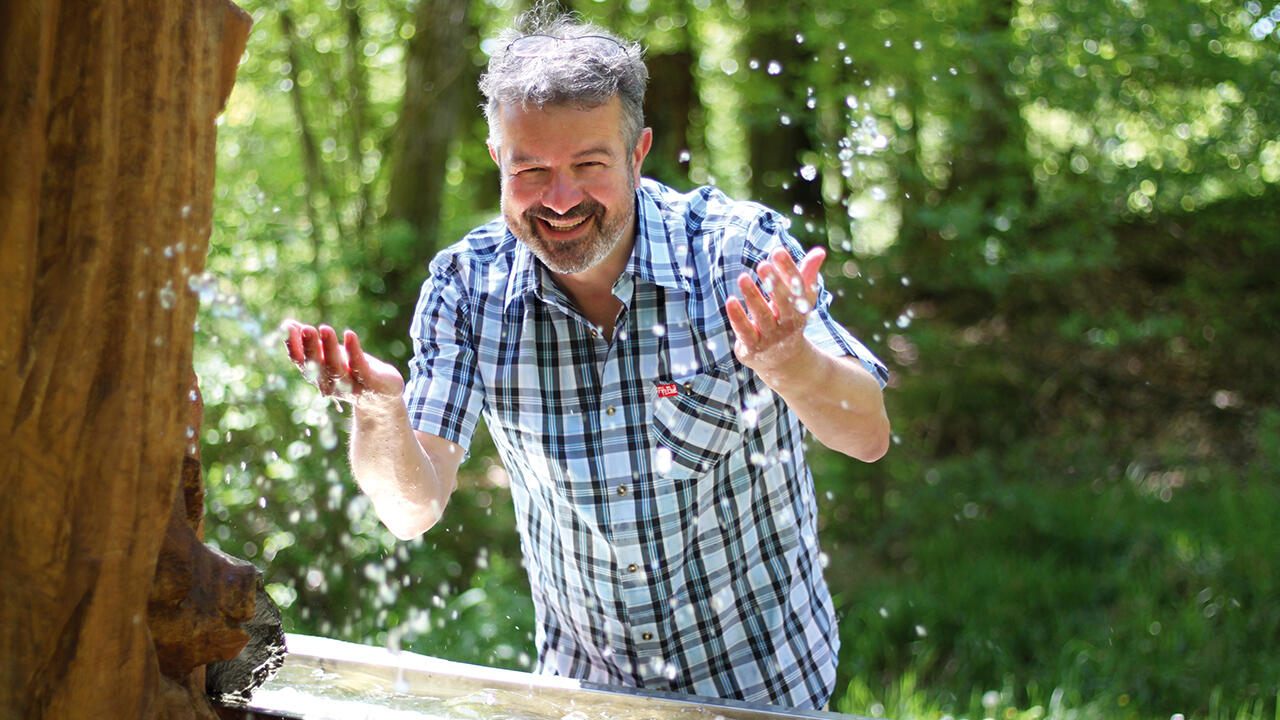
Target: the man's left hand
(770, 327)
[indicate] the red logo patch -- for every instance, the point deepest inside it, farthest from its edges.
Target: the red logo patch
(667, 390)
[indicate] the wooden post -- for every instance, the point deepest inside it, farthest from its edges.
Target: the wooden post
(107, 137)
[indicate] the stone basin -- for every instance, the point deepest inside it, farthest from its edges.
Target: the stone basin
(324, 679)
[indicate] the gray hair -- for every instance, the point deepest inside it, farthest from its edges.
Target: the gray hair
(582, 74)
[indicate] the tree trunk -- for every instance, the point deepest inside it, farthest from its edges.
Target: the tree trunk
(668, 104)
(106, 186)
(779, 123)
(436, 82)
(439, 77)
(990, 176)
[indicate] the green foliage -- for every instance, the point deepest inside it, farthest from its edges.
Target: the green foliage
(1053, 572)
(1054, 220)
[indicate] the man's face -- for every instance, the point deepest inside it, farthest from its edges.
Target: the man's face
(568, 181)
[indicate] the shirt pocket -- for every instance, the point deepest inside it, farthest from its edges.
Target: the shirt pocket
(695, 422)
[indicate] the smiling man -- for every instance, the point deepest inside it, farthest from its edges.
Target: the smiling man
(647, 397)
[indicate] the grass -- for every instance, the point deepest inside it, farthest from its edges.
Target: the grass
(1026, 586)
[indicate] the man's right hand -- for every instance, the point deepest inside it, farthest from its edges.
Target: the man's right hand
(339, 369)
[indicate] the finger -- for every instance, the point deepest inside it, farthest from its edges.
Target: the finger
(741, 324)
(785, 264)
(293, 342)
(811, 266)
(756, 304)
(328, 361)
(782, 296)
(356, 359)
(312, 354)
(798, 288)
(334, 360)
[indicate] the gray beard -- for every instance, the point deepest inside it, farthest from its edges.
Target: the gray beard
(578, 255)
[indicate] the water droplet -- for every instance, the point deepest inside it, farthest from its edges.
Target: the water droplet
(658, 329)
(167, 296)
(917, 45)
(775, 67)
(186, 211)
(328, 438)
(808, 172)
(684, 156)
(878, 194)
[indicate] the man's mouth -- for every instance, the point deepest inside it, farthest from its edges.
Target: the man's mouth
(564, 225)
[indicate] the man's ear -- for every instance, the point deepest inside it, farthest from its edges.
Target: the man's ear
(493, 153)
(641, 150)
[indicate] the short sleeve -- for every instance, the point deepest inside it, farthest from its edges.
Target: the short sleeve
(821, 329)
(444, 394)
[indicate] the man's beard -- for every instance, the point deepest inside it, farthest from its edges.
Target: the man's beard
(567, 257)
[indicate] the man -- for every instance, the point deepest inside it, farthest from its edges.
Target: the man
(645, 395)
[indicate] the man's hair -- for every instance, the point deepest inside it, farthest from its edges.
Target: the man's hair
(583, 74)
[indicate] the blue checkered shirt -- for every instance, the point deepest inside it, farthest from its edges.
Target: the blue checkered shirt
(665, 508)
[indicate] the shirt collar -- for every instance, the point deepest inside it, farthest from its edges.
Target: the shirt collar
(525, 277)
(653, 258)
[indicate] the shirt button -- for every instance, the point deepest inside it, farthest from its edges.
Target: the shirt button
(647, 636)
(688, 387)
(610, 410)
(595, 333)
(632, 567)
(622, 489)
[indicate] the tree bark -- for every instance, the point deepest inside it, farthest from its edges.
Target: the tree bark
(106, 186)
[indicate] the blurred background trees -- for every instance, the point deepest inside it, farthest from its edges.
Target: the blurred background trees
(1056, 221)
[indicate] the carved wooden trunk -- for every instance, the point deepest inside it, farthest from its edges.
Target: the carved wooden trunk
(106, 183)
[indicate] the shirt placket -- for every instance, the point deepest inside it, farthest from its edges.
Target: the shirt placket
(639, 627)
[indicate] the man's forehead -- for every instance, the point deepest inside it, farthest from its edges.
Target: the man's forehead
(554, 134)
(537, 154)
(604, 119)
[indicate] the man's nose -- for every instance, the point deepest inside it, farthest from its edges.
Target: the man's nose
(563, 194)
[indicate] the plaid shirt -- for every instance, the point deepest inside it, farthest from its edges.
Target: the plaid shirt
(665, 508)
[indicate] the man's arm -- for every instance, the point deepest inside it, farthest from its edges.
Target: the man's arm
(835, 397)
(408, 475)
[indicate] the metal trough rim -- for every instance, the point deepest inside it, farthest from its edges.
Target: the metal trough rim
(446, 679)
